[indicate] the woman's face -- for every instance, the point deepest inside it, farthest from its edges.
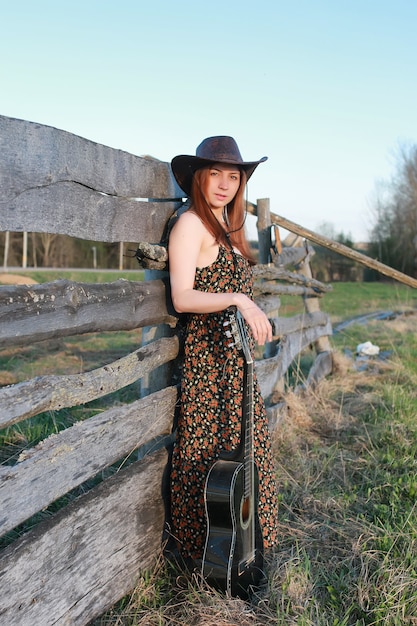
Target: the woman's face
(222, 184)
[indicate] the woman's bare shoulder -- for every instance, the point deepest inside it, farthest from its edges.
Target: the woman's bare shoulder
(189, 221)
(190, 216)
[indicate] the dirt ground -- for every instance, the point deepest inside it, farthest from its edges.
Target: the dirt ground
(16, 279)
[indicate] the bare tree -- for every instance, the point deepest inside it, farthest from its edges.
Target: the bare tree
(394, 234)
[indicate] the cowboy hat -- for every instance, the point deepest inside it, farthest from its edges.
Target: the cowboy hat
(220, 149)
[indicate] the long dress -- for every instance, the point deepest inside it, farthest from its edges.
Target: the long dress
(210, 412)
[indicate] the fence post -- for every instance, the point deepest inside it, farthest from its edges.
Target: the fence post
(25, 250)
(162, 376)
(264, 241)
(121, 246)
(6, 249)
(311, 305)
(264, 230)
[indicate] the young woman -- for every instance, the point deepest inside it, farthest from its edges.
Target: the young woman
(210, 271)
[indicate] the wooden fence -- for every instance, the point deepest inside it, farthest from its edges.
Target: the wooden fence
(72, 565)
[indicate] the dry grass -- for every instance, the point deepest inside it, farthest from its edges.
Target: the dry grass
(187, 601)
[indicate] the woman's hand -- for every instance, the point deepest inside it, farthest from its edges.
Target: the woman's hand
(258, 322)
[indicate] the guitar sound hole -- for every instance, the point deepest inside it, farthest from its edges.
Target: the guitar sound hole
(245, 512)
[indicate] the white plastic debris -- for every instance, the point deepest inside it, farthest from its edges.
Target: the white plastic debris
(367, 349)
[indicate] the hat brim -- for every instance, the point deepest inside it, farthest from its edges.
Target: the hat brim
(184, 166)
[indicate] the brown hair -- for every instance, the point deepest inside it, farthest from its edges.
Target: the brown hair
(235, 233)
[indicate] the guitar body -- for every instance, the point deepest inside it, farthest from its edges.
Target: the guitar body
(233, 555)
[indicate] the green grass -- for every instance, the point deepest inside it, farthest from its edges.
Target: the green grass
(85, 276)
(69, 355)
(347, 300)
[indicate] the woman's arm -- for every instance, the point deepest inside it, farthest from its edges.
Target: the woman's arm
(187, 239)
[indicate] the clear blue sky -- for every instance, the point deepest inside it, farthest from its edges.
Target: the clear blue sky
(326, 89)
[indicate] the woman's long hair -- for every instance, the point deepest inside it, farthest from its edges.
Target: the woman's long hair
(235, 234)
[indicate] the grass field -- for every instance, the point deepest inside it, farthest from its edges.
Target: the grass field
(346, 456)
(81, 276)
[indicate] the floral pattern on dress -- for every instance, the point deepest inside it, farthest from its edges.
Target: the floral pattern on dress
(211, 411)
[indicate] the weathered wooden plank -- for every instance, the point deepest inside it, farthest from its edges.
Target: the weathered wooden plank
(276, 414)
(36, 156)
(270, 371)
(322, 367)
(67, 459)
(55, 182)
(51, 393)
(68, 208)
(287, 290)
(283, 326)
(341, 249)
(151, 256)
(345, 251)
(63, 308)
(270, 272)
(268, 303)
(78, 564)
(312, 305)
(291, 256)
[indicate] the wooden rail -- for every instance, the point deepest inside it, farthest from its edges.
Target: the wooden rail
(343, 250)
(80, 517)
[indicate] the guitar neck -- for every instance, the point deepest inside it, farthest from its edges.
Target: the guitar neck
(244, 453)
(247, 408)
(247, 429)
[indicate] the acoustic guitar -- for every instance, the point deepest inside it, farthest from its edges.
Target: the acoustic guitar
(233, 556)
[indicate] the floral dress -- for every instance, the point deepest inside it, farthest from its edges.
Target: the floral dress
(211, 410)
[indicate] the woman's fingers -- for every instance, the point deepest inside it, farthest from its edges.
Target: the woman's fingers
(259, 324)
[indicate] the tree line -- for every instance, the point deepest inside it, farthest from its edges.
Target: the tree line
(394, 233)
(60, 251)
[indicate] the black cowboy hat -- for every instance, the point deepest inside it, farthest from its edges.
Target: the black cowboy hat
(211, 150)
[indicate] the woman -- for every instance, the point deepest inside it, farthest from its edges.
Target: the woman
(210, 272)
